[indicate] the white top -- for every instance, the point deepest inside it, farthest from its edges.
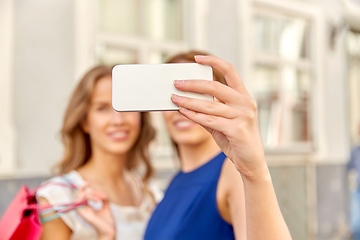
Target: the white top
(130, 221)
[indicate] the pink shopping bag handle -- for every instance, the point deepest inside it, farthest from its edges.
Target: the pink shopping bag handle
(55, 209)
(67, 183)
(42, 207)
(56, 213)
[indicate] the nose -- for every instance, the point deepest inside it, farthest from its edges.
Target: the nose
(118, 118)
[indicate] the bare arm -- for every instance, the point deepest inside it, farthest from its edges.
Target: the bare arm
(262, 210)
(101, 220)
(231, 199)
(55, 229)
(234, 125)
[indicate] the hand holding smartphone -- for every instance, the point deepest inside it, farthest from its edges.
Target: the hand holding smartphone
(148, 87)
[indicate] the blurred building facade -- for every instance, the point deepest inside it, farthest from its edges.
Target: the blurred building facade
(300, 59)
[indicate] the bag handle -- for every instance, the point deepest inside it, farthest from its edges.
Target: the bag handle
(66, 183)
(64, 208)
(49, 207)
(59, 210)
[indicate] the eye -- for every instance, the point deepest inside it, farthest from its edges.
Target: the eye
(103, 108)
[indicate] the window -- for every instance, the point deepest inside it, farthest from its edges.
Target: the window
(138, 31)
(282, 79)
(153, 19)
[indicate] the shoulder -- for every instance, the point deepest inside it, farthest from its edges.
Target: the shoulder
(230, 195)
(56, 226)
(229, 173)
(230, 181)
(57, 189)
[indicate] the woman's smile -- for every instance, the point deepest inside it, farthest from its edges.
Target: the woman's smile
(183, 124)
(121, 135)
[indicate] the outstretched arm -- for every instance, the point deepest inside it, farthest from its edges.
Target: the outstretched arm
(233, 123)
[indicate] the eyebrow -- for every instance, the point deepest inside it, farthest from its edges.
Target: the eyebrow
(99, 103)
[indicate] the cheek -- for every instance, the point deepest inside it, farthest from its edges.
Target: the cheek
(168, 116)
(136, 123)
(95, 122)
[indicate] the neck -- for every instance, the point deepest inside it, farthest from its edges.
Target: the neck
(104, 166)
(194, 156)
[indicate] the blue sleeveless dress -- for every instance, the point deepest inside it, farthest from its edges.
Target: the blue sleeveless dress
(189, 210)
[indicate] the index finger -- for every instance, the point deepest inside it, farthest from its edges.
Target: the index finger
(228, 70)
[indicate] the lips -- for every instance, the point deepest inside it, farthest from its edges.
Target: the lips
(119, 135)
(183, 124)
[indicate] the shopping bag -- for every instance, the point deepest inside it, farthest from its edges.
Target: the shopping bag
(21, 220)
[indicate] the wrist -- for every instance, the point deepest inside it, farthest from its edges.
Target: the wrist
(258, 174)
(258, 179)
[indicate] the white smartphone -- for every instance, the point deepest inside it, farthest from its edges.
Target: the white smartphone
(148, 87)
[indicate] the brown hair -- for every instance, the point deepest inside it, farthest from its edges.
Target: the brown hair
(190, 57)
(77, 148)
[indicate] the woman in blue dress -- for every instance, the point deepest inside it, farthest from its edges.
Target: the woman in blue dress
(224, 188)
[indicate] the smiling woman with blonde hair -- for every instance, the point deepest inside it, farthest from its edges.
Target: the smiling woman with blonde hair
(103, 152)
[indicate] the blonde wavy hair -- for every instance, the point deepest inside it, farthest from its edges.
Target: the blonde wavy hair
(77, 148)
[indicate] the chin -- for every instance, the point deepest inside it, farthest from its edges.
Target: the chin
(187, 140)
(118, 150)
(195, 136)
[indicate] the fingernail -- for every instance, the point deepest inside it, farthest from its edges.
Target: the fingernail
(174, 96)
(184, 110)
(178, 82)
(199, 56)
